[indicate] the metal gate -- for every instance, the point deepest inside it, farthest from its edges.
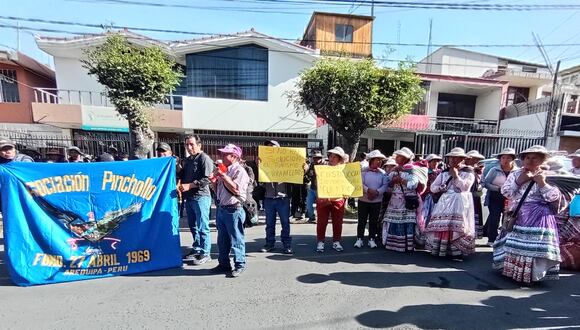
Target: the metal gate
(486, 144)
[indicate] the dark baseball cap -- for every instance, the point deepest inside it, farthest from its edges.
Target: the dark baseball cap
(162, 146)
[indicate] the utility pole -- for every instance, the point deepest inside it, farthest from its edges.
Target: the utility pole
(552, 115)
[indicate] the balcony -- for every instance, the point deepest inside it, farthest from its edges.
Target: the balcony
(79, 97)
(443, 124)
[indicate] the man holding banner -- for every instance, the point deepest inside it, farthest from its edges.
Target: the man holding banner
(277, 169)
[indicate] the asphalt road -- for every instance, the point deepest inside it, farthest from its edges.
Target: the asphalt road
(353, 289)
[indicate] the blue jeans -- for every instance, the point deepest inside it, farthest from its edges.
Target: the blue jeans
(281, 206)
(310, 200)
(230, 226)
(197, 210)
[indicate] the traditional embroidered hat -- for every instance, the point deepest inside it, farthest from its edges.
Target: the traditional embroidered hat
(405, 152)
(391, 161)
(433, 157)
(537, 149)
(475, 154)
(375, 154)
(338, 151)
(507, 151)
(575, 154)
(456, 152)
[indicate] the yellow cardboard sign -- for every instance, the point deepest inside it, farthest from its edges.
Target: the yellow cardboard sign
(339, 181)
(279, 164)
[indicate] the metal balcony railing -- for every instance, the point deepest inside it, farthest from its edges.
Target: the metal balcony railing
(80, 97)
(444, 124)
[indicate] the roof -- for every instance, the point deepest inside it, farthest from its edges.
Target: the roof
(175, 48)
(45, 42)
(511, 60)
(573, 69)
(321, 13)
(28, 63)
(460, 79)
(250, 36)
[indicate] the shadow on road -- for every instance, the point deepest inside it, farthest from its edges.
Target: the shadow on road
(558, 308)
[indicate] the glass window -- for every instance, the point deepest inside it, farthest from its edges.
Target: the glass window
(9, 87)
(239, 73)
(517, 95)
(343, 33)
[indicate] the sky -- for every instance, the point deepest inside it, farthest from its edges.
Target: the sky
(288, 20)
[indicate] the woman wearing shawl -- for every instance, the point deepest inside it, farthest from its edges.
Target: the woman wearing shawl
(451, 229)
(399, 222)
(530, 251)
(474, 158)
(493, 182)
(433, 161)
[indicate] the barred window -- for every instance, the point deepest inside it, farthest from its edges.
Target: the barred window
(8, 86)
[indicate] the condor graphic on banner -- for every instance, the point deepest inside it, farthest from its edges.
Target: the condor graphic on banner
(69, 222)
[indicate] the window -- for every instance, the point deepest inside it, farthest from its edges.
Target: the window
(529, 69)
(456, 105)
(239, 73)
(343, 33)
(9, 87)
(517, 95)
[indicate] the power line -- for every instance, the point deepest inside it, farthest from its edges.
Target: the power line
(380, 59)
(377, 3)
(134, 28)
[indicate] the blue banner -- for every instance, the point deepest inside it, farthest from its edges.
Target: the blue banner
(78, 221)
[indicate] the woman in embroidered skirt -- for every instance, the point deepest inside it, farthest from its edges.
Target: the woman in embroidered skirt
(474, 158)
(433, 170)
(451, 230)
(399, 222)
(530, 252)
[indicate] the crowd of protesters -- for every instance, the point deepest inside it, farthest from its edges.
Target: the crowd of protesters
(408, 204)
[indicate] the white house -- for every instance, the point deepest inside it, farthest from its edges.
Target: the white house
(234, 83)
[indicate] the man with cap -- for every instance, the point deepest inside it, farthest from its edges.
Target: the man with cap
(230, 187)
(195, 189)
(575, 162)
(164, 150)
(316, 156)
(8, 153)
(54, 155)
(75, 155)
(374, 183)
(277, 201)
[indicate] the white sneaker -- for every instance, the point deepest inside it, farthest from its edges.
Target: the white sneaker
(372, 243)
(337, 246)
(320, 247)
(359, 243)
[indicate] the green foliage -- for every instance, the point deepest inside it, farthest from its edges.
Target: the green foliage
(353, 95)
(134, 78)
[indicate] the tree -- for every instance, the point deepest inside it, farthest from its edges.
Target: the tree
(354, 95)
(135, 79)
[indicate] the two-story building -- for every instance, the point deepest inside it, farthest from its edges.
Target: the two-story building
(19, 75)
(234, 90)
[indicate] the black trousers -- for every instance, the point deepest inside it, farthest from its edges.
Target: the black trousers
(370, 212)
(496, 207)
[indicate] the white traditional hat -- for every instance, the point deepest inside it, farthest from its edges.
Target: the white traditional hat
(405, 152)
(475, 154)
(507, 151)
(537, 149)
(575, 154)
(375, 154)
(456, 152)
(433, 157)
(555, 164)
(338, 151)
(391, 161)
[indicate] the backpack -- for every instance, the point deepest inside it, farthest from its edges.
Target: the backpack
(250, 206)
